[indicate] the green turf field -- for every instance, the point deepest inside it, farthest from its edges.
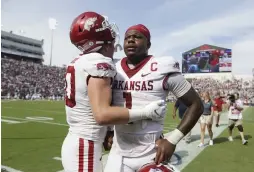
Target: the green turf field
(228, 156)
(33, 132)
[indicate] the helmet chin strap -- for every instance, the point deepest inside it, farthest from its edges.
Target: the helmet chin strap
(118, 46)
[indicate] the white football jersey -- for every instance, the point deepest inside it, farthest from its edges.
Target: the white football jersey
(78, 109)
(233, 113)
(135, 88)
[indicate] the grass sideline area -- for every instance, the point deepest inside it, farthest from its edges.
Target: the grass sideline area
(33, 133)
(228, 156)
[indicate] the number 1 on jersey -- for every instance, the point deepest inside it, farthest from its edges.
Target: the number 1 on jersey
(128, 99)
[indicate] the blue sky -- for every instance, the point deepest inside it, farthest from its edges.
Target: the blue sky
(175, 25)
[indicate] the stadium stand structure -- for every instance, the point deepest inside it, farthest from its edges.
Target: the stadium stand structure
(23, 74)
(21, 48)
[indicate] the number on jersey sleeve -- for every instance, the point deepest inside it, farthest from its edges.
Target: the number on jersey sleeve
(70, 87)
(128, 99)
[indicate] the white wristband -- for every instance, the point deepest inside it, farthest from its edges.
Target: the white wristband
(175, 136)
(135, 115)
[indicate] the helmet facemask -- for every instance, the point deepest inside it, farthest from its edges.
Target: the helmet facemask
(114, 30)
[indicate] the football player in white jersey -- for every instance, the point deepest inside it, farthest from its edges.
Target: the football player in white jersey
(140, 79)
(88, 95)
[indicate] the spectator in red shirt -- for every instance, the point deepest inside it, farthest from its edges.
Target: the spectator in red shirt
(217, 108)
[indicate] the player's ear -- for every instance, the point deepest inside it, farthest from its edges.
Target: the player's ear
(148, 44)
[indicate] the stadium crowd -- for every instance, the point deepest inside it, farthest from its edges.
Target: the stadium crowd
(29, 80)
(226, 87)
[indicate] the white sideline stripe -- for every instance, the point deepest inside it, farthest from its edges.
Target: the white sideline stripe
(7, 101)
(11, 121)
(9, 169)
(54, 123)
(39, 121)
(57, 158)
(40, 110)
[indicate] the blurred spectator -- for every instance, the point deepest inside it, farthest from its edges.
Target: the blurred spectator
(217, 108)
(206, 119)
(225, 87)
(235, 117)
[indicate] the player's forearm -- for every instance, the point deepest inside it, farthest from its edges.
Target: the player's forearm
(111, 116)
(191, 116)
(118, 115)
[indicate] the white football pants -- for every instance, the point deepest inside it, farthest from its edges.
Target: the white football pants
(117, 163)
(80, 155)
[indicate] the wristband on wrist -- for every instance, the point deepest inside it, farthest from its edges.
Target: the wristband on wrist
(135, 115)
(175, 136)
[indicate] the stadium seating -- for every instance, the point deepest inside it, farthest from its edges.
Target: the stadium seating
(29, 80)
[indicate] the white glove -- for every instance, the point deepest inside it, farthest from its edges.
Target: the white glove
(155, 111)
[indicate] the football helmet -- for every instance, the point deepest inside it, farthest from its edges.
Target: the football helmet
(152, 167)
(90, 30)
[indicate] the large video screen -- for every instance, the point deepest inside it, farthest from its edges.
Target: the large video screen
(207, 61)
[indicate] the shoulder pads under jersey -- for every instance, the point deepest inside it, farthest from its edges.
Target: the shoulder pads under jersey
(167, 64)
(99, 65)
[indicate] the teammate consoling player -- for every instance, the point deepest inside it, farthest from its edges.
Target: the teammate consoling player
(141, 79)
(88, 94)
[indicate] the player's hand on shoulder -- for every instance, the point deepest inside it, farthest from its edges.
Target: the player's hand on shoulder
(156, 110)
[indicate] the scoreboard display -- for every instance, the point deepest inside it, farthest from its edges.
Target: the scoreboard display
(207, 61)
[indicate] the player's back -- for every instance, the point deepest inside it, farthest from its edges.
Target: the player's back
(78, 109)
